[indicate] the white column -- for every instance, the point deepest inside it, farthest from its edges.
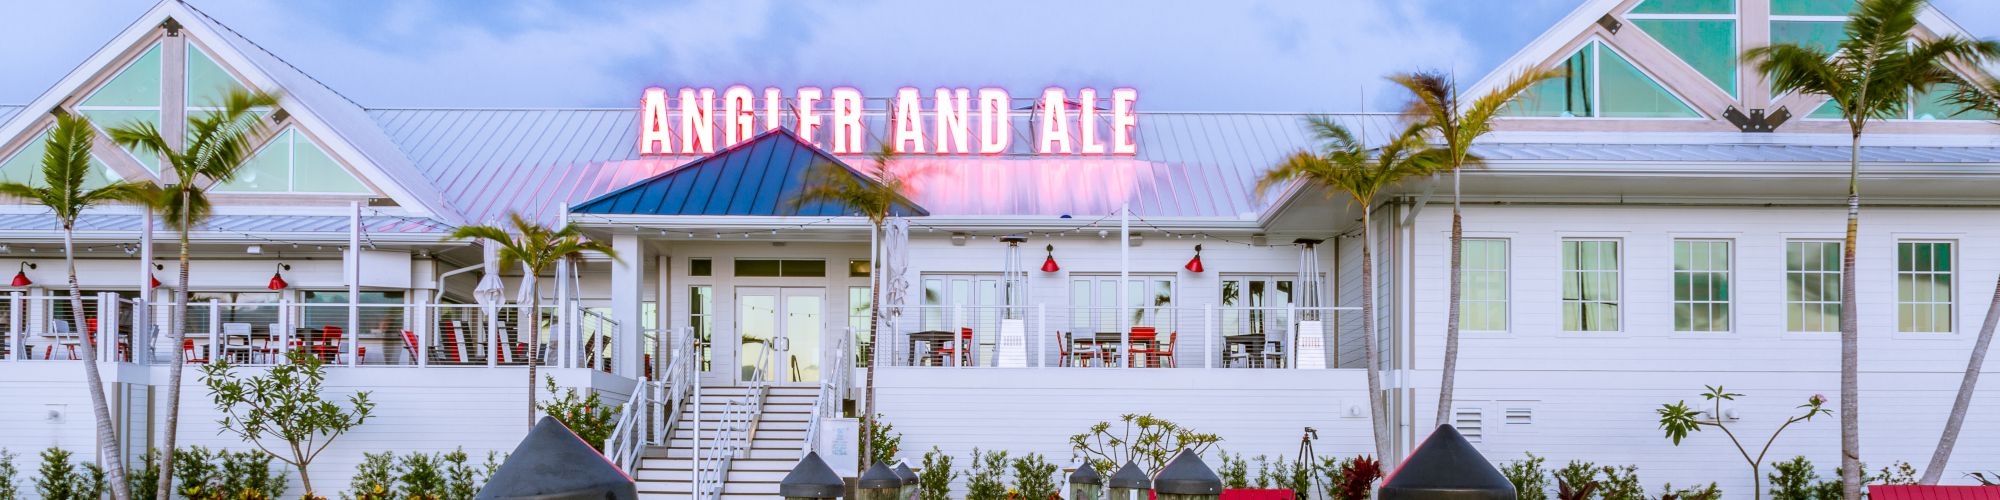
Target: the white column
(143, 319)
(565, 332)
(663, 333)
(1124, 276)
(628, 290)
(353, 336)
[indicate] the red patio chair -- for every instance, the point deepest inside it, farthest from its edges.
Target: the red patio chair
(1063, 342)
(450, 343)
(961, 351)
(1145, 340)
(188, 351)
(410, 345)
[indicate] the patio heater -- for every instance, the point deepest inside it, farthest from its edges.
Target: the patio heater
(879, 483)
(811, 479)
(1130, 483)
(1310, 347)
(1186, 478)
(1013, 341)
(1085, 483)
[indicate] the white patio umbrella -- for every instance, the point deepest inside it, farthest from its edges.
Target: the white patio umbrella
(895, 260)
(490, 292)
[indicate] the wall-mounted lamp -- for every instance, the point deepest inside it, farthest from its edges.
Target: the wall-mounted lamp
(254, 249)
(21, 277)
(1049, 264)
(1194, 265)
(278, 277)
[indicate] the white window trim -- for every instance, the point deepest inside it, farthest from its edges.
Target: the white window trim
(1783, 269)
(1506, 285)
(1957, 242)
(1624, 299)
(1729, 277)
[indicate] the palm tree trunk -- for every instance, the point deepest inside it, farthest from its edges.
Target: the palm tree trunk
(107, 437)
(1850, 338)
(1377, 413)
(1450, 376)
(1956, 421)
(174, 378)
(534, 324)
(874, 345)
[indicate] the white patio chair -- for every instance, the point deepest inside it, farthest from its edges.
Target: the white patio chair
(236, 341)
(1274, 354)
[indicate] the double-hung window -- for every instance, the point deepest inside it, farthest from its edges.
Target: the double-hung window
(1812, 286)
(1483, 285)
(1590, 285)
(1923, 287)
(1701, 285)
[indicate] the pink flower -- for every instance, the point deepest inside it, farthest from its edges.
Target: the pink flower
(1817, 399)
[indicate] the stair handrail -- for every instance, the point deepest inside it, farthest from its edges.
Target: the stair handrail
(654, 409)
(833, 386)
(733, 431)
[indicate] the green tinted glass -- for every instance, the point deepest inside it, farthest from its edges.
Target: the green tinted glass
(138, 84)
(1824, 35)
(207, 82)
(107, 119)
(315, 172)
(1707, 45)
(1566, 96)
(1629, 93)
(269, 171)
(1685, 7)
(26, 166)
(1936, 105)
(1811, 7)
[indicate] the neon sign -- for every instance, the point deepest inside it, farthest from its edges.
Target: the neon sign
(688, 123)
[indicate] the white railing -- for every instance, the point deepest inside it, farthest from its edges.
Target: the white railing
(733, 433)
(1122, 337)
(833, 386)
(655, 409)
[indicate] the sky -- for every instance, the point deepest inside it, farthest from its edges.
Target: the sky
(1248, 55)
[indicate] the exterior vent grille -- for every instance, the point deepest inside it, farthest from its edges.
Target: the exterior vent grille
(1520, 416)
(1471, 422)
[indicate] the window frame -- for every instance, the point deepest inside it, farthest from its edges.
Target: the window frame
(1951, 273)
(1620, 328)
(1506, 286)
(1597, 89)
(1729, 280)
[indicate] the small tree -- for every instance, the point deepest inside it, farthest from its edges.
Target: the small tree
(284, 403)
(1679, 420)
(586, 415)
(1157, 440)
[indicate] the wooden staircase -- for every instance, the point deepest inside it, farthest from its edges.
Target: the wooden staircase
(776, 437)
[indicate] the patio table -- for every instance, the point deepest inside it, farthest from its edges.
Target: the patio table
(934, 340)
(1109, 343)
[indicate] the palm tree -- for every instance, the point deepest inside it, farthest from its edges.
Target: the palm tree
(831, 183)
(65, 164)
(1437, 104)
(1345, 164)
(1869, 75)
(536, 248)
(216, 143)
(1971, 97)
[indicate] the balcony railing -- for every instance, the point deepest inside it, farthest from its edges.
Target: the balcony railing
(1131, 337)
(43, 328)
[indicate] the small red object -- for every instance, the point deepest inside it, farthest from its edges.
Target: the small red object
(1049, 264)
(1194, 265)
(278, 279)
(21, 279)
(1923, 492)
(156, 280)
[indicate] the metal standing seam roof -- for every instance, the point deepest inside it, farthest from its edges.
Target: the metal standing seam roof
(233, 223)
(494, 161)
(758, 177)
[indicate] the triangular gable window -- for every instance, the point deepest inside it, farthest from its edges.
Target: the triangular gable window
(26, 166)
(293, 163)
(132, 95)
(1708, 45)
(207, 82)
(1838, 8)
(1932, 105)
(1599, 82)
(1685, 7)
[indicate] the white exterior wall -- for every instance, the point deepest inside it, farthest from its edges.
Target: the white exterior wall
(1593, 395)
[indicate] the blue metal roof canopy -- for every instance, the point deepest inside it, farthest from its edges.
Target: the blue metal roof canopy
(757, 177)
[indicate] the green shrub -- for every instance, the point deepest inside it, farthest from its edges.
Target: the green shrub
(883, 441)
(1530, 481)
(1712, 492)
(374, 478)
(1621, 483)
(61, 479)
(1577, 481)
(143, 481)
(1034, 477)
(7, 472)
(1795, 479)
(248, 476)
(1235, 472)
(420, 477)
(988, 479)
(584, 414)
(1279, 473)
(1351, 479)
(934, 482)
(1144, 439)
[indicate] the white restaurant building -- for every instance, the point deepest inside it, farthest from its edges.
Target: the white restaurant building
(1628, 243)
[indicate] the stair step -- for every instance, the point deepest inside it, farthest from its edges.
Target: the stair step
(681, 454)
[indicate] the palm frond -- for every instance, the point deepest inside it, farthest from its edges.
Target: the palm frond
(183, 209)
(1479, 116)
(1976, 96)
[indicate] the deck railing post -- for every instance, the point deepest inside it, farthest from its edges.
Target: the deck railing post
(142, 330)
(1213, 337)
(420, 315)
(1291, 336)
(16, 316)
(214, 330)
(285, 329)
(1042, 339)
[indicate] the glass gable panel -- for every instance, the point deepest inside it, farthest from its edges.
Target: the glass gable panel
(207, 82)
(1936, 105)
(138, 84)
(107, 119)
(26, 166)
(1825, 35)
(316, 172)
(1811, 7)
(1707, 45)
(1567, 96)
(269, 171)
(1685, 7)
(1629, 93)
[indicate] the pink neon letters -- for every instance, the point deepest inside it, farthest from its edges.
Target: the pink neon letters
(1063, 123)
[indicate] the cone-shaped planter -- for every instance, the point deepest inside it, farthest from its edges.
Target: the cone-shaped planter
(553, 464)
(1446, 467)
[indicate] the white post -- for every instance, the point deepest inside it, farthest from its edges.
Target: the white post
(565, 331)
(214, 329)
(14, 321)
(1291, 342)
(285, 327)
(1214, 337)
(353, 346)
(1124, 276)
(422, 316)
(663, 336)
(103, 331)
(628, 289)
(1041, 339)
(146, 293)
(142, 332)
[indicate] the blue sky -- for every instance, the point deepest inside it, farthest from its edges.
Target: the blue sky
(1320, 55)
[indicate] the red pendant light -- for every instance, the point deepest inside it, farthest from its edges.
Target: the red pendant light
(278, 278)
(1049, 264)
(156, 280)
(1194, 265)
(21, 277)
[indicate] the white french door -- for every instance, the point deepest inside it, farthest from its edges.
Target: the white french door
(781, 331)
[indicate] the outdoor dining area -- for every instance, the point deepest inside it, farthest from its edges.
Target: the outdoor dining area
(1256, 340)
